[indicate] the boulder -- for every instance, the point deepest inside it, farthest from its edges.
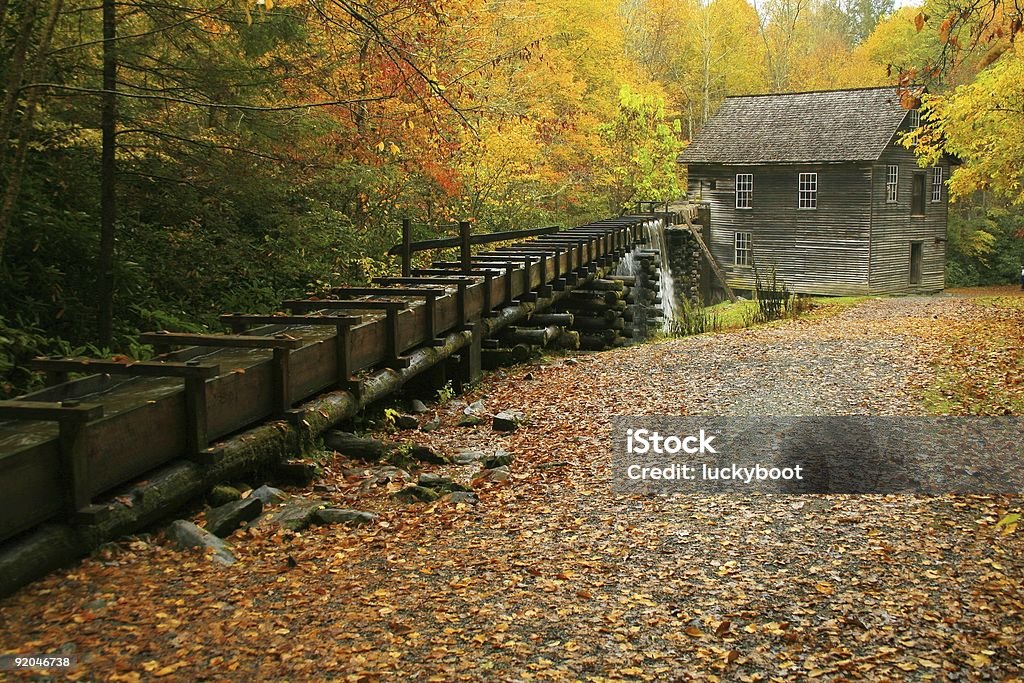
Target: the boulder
(297, 472)
(442, 484)
(470, 421)
(467, 497)
(428, 455)
(296, 514)
(360, 448)
(185, 534)
(499, 459)
(268, 495)
(222, 494)
(406, 422)
(495, 474)
(430, 426)
(222, 521)
(417, 494)
(418, 407)
(468, 457)
(342, 516)
(507, 421)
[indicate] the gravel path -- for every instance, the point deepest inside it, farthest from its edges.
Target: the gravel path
(554, 577)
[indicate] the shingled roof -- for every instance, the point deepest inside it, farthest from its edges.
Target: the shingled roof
(831, 125)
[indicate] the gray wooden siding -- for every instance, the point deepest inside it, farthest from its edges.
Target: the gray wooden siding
(894, 229)
(815, 251)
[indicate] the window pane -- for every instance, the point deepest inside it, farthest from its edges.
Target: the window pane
(892, 178)
(742, 256)
(937, 184)
(744, 190)
(808, 191)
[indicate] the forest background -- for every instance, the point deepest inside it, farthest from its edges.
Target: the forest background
(164, 161)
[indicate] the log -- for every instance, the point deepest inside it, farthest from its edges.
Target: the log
(562, 319)
(358, 447)
(590, 342)
(570, 340)
(607, 298)
(498, 358)
(581, 305)
(534, 337)
(625, 279)
(598, 324)
(605, 285)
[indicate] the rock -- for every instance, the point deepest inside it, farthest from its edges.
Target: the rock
(222, 521)
(418, 407)
(414, 494)
(507, 421)
(430, 426)
(528, 376)
(360, 448)
(474, 408)
(268, 495)
(494, 474)
(185, 534)
(439, 483)
(467, 497)
(425, 454)
(571, 361)
(341, 516)
(470, 421)
(499, 459)
(406, 422)
(222, 494)
(297, 514)
(297, 472)
(468, 457)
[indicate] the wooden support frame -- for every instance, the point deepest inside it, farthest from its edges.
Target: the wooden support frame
(282, 345)
(451, 280)
(194, 372)
(343, 350)
(508, 266)
(70, 417)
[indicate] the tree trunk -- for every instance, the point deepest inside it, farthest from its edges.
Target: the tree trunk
(15, 169)
(108, 178)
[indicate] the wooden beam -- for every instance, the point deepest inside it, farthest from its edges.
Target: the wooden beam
(481, 238)
(221, 340)
(240, 321)
(345, 304)
(67, 411)
(713, 263)
(130, 368)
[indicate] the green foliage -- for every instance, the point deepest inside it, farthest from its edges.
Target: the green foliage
(644, 149)
(693, 319)
(984, 247)
(772, 297)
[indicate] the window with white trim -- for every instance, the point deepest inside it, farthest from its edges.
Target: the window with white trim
(892, 183)
(807, 186)
(744, 190)
(937, 184)
(742, 256)
(915, 118)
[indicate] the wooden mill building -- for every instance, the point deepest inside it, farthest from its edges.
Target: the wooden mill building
(817, 185)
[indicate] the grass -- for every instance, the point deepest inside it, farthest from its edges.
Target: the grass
(734, 316)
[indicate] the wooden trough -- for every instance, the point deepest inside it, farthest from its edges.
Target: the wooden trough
(64, 447)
